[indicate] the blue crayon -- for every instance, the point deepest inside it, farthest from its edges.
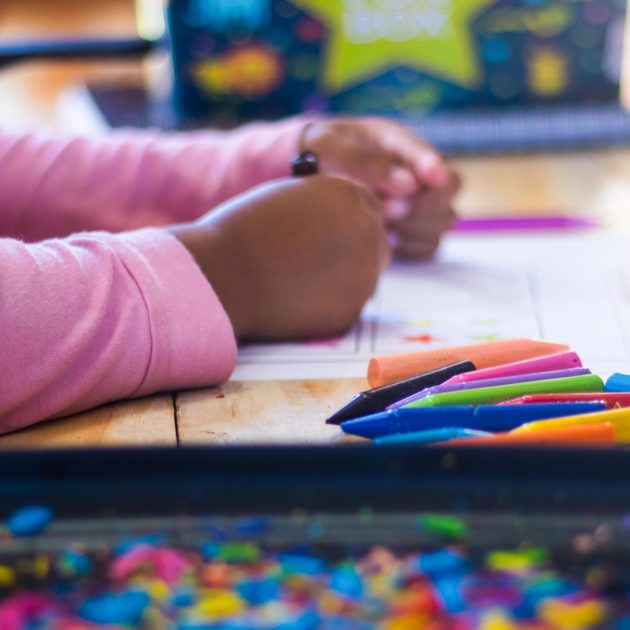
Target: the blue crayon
(480, 418)
(430, 437)
(618, 383)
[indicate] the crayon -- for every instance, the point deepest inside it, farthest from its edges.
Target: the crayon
(375, 400)
(484, 395)
(481, 418)
(544, 222)
(557, 361)
(598, 434)
(617, 383)
(611, 400)
(411, 420)
(619, 419)
(491, 382)
(429, 437)
(389, 368)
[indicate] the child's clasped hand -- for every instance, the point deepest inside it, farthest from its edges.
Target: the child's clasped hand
(410, 178)
(299, 258)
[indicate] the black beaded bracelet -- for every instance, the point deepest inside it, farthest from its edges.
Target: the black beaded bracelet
(306, 162)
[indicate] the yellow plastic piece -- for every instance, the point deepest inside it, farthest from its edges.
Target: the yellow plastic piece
(497, 620)
(158, 590)
(406, 622)
(572, 616)
(219, 604)
(41, 567)
(7, 575)
(514, 561)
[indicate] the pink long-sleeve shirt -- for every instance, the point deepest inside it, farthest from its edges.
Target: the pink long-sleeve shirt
(95, 305)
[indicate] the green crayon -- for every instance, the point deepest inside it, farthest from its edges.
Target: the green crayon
(485, 395)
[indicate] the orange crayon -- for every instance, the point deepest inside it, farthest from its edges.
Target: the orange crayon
(599, 434)
(393, 367)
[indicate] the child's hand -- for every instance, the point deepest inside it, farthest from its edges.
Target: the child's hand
(416, 224)
(402, 170)
(292, 259)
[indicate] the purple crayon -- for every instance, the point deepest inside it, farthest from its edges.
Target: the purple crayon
(551, 222)
(490, 382)
(546, 363)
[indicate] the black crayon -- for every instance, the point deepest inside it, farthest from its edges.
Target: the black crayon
(377, 399)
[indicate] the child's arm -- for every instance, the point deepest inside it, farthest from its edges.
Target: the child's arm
(52, 187)
(99, 317)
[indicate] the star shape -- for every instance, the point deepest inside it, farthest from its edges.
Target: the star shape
(369, 37)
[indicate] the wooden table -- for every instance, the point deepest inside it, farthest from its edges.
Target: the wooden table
(257, 412)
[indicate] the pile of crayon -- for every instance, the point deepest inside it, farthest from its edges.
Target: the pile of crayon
(509, 392)
(241, 585)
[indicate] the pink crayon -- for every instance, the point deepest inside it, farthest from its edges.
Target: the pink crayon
(548, 363)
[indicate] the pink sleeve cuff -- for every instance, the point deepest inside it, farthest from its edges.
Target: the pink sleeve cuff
(192, 341)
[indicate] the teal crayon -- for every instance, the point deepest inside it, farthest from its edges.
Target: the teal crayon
(430, 437)
(487, 395)
(617, 382)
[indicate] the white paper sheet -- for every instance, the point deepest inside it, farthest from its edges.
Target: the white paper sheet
(572, 288)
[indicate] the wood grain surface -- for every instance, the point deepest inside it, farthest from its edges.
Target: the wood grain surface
(147, 421)
(264, 412)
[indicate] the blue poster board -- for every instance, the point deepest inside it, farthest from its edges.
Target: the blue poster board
(242, 59)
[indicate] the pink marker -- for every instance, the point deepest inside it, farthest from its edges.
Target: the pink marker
(548, 363)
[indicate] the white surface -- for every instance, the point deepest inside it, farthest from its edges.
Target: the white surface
(78, 113)
(568, 287)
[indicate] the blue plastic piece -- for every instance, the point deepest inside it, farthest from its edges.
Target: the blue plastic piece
(341, 623)
(296, 563)
(183, 597)
(153, 540)
(259, 592)
(449, 589)
(346, 581)
(210, 550)
(251, 526)
(216, 533)
(111, 608)
(308, 621)
(30, 520)
(75, 562)
(442, 561)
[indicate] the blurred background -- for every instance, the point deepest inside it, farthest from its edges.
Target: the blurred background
(532, 85)
(28, 91)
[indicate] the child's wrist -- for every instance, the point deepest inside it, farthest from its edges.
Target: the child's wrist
(204, 245)
(321, 137)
